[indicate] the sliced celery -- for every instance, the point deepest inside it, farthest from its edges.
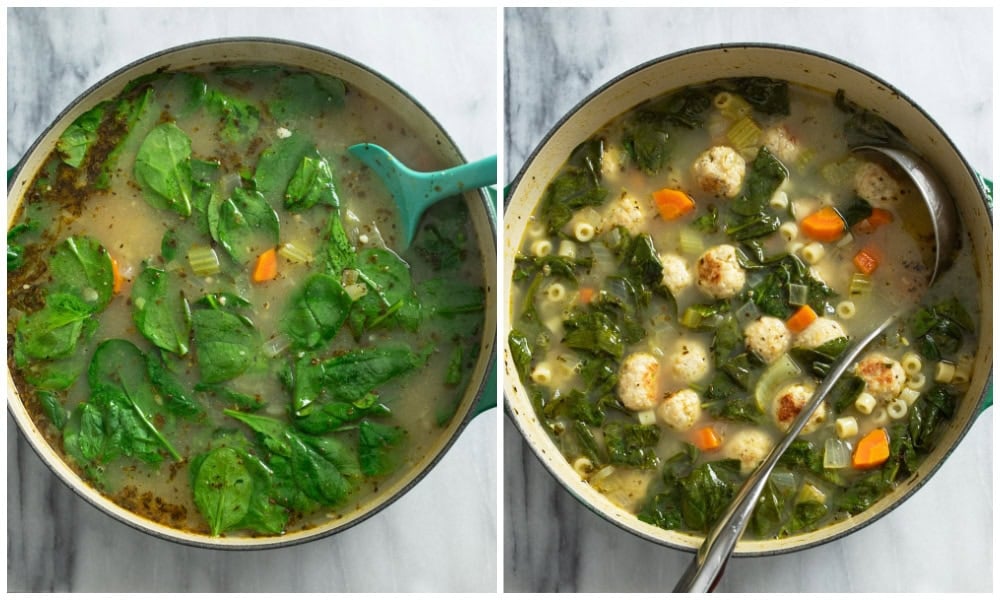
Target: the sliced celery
(861, 285)
(744, 133)
(798, 294)
(203, 260)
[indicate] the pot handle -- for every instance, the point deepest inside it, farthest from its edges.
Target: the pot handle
(488, 398)
(987, 185)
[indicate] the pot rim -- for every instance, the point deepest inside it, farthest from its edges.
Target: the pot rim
(924, 476)
(144, 525)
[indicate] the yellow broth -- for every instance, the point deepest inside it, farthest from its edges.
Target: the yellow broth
(67, 201)
(578, 271)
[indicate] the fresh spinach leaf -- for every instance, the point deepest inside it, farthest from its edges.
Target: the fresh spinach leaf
(81, 266)
(53, 408)
(311, 184)
(520, 350)
(304, 95)
(160, 311)
(570, 191)
(376, 445)
(222, 488)
(53, 331)
(239, 119)
(648, 142)
(175, 397)
(163, 169)
(446, 297)
(390, 287)
(765, 176)
(278, 164)
(231, 397)
(769, 96)
(632, 444)
(316, 311)
(247, 225)
(80, 136)
(226, 344)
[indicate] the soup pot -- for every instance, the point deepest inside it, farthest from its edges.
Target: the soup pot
(481, 391)
(804, 67)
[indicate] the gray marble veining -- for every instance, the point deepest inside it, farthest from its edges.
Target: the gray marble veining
(939, 539)
(441, 536)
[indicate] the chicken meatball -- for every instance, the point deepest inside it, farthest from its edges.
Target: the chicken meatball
(676, 273)
(689, 361)
(638, 381)
(788, 403)
(781, 143)
(875, 184)
(884, 377)
(680, 410)
(768, 338)
(720, 171)
(749, 446)
(719, 272)
(819, 332)
(627, 212)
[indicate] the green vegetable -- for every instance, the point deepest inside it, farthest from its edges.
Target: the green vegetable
(376, 445)
(316, 311)
(163, 169)
(247, 225)
(390, 287)
(663, 509)
(765, 176)
(16, 251)
(707, 491)
(339, 253)
(769, 96)
(161, 313)
(632, 444)
(446, 297)
(311, 184)
(135, 116)
(304, 95)
(239, 119)
(231, 397)
(940, 329)
(520, 350)
(227, 344)
(864, 127)
(53, 408)
(594, 332)
(222, 488)
(53, 331)
(204, 177)
(278, 164)
(80, 136)
(647, 141)
(81, 266)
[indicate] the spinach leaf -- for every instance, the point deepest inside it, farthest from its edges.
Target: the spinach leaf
(339, 253)
(707, 491)
(686, 107)
(857, 211)
(53, 331)
(316, 311)
(160, 311)
(551, 266)
(520, 350)
(769, 512)
(769, 96)
(594, 332)
(390, 287)
(81, 266)
(222, 488)
(278, 164)
(632, 444)
(647, 142)
(118, 368)
(845, 392)
(53, 408)
(771, 295)
(570, 191)
(446, 297)
(163, 169)
(247, 225)
(305, 95)
(176, 398)
(664, 508)
(135, 115)
(376, 444)
(226, 343)
(204, 176)
(80, 136)
(805, 515)
(308, 469)
(708, 222)
(239, 119)
(940, 329)
(864, 127)
(330, 415)
(231, 397)
(765, 176)
(819, 359)
(16, 251)
(442, 240)
(751, 228)
(311, 184)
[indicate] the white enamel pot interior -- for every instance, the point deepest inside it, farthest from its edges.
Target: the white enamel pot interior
(422, 124)
(780, 62)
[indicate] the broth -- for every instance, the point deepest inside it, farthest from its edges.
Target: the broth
(189, 381)
(692, 271)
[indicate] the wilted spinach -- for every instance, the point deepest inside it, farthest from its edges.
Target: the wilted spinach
(316, 311)
(163, 169)
(160, 311)
(247, 225)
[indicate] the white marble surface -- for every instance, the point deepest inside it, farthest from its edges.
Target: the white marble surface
(440, 536)
(938, 540)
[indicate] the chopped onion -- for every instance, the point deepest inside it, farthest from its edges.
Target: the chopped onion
(775, 376)
(836, 454)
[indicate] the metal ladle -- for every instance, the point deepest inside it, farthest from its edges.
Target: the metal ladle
(704, 572)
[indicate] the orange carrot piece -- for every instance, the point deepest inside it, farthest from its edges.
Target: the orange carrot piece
(707, 439)
(672, 203)
(266, 267)
(586, 295)
(879, 217)
(116, 275)
(866, 260)
(801, 319)
(872, 450)
(824, 225)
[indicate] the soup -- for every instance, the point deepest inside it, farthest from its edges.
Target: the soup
(206, 312)
(689, 276)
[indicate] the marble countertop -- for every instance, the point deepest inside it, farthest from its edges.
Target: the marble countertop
(938, 540)
(442, 535)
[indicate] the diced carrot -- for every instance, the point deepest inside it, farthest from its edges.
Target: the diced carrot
(707, 439)
(866, 260)
(586, 295)
(824, 225)
(879, 217)
(117, 278)
(872, 450)
(672, 203)
(801, 319)
(266, 267)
